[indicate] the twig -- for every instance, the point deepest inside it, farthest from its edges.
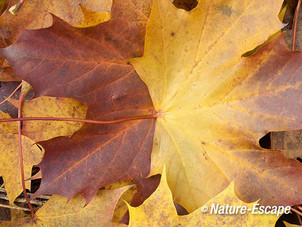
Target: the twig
(14, 207)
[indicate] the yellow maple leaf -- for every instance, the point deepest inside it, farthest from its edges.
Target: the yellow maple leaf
(214, 105)
(9, 155)
(159, 210)
(57, 211)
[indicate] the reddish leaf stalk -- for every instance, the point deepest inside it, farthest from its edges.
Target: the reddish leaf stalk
(21, 158)
(295, 24)
(11, 94)
(139, 117)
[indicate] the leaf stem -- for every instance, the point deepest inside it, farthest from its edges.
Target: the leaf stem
(139, 117)
(21, 158)
(295, 24)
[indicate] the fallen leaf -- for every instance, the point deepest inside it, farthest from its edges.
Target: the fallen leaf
(9, 155)
(99, 75)
(51, 107)
(146, 188)
(57, 211)
(215, 105)
(159, 210)
(121, 207)
(149, 185)
(7, 127)
(36, 14)
(92, 18)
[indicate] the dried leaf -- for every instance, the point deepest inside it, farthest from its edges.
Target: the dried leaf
(36, 14)
(92, 18)
(214, 105)
(97, 74)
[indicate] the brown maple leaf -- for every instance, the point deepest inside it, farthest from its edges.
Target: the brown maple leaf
(91, 65)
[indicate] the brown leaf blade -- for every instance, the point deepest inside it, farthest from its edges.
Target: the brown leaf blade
(97, 74)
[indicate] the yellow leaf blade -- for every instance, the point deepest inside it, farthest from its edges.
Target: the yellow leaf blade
(159, 210)
(92, 18)
(51, 107)
(57, 211)
(10, 165)
(213, 104)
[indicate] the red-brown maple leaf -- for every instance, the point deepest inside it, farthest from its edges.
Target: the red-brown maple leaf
(91, 66)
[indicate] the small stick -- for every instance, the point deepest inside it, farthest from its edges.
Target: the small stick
(13, 207)
(295, 24)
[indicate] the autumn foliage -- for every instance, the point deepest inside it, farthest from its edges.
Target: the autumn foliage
(130, 89)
